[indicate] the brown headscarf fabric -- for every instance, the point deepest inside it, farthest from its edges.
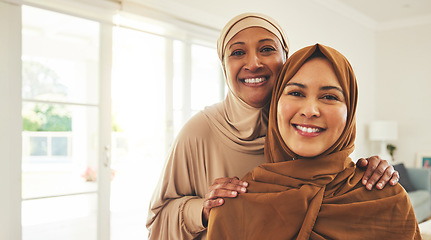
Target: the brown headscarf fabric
(223, 140)
(313, 198)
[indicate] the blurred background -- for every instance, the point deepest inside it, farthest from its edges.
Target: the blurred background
(95, 91)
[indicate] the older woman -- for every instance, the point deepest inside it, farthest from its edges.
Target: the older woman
(227, 139)
(310, 188)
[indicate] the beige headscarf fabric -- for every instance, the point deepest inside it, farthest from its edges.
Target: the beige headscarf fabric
(313, 198)
(247, 20)
(240, 125)
(223, 140)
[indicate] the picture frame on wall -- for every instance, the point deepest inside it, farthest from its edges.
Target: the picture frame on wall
(423, 159)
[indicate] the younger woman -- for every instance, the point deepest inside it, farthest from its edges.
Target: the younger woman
(310, 188)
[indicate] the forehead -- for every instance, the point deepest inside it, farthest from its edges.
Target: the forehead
(317, 69)
(252, 35)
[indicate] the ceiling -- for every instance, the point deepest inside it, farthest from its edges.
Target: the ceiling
(390, 10)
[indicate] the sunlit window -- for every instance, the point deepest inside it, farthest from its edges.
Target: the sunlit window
(157, 83)
(145, 122)
(60, 60)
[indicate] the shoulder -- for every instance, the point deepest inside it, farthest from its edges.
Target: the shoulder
(196, 127)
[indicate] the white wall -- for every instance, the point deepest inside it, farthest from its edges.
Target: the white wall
(10, 121)
(404, 87)
(393, 67)
(305, 23)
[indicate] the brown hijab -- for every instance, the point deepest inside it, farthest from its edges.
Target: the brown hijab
(313, 198)
(275, 149)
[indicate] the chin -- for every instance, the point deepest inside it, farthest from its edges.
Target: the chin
(307, 154)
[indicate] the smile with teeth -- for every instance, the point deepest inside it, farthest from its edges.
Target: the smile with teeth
(254, 80)
(308, 129)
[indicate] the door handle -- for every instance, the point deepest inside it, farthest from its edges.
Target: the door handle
(107, 160)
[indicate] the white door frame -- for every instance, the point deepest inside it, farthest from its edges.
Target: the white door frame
(11, 121)
(105, 129)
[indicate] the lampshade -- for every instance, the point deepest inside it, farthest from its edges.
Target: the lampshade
(383, 130)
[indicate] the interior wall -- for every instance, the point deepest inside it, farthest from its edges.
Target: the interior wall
(10, 121)
(305, 23)
(404, 87)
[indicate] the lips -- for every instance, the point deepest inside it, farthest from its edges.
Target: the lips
(309, 131)
(254, 81)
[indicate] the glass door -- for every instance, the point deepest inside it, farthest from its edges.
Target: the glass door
(61, 119)
(157, 84)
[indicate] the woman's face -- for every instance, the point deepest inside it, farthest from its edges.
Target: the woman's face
(312, 111)
(253, 59)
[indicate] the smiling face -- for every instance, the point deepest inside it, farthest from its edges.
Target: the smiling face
(312, 111)
(253, 60)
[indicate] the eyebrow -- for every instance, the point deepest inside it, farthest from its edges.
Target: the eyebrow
(326, 88)
(260, 41)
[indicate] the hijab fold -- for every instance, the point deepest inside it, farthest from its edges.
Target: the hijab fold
(313, 198)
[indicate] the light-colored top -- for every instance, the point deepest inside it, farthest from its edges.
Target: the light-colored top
(224, 140)
(215, 143)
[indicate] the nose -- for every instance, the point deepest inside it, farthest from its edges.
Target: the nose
(253, 62)
(310, 108)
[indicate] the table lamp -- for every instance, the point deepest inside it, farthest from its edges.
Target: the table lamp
(383, 131)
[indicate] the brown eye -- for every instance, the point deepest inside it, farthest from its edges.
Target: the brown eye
(295, 94)
(237, 53)
(268, 49)
(330, 97)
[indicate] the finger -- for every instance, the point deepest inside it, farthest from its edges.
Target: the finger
(221, 193)
(207, 206)
(211, 203)
(395, 178)
(232, 180)
(230, 185)
(372, 162)
(385, 177)
(377, 174)
(362, 163)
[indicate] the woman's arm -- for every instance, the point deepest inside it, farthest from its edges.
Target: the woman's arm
(176, 206)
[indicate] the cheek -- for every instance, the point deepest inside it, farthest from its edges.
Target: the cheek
(339, 117)
(284, 113)
(232, 70)
(277, 65)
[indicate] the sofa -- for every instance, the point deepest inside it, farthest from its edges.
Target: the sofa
(416, 181)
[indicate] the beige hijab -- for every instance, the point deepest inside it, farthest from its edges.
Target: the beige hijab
(239, 125)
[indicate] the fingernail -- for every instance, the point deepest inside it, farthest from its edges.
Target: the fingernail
(379, 185)
(364, 181)
(369, 186)
(233, 193)
(245, 184)
(220, 201)
(243, 189)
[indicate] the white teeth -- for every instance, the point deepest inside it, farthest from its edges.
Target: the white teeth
(254, 80)
(308, 130)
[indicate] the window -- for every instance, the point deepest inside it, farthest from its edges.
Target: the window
(60, 61)
(159, 80)
(158, 83)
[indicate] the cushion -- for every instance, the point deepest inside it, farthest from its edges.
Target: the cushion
(419, 197)
(404, 177)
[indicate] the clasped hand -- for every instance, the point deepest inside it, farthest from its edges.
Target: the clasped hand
(221, 188)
